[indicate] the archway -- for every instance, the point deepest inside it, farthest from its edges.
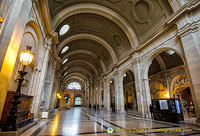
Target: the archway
(168, 79)
(130, 100)
(67, 99)
(78, 101)
(179, 88)
(112, 95)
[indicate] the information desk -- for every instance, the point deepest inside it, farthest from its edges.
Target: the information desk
(169, 110)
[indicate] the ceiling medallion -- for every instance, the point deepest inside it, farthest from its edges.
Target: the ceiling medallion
(117, 40)
(142, 10)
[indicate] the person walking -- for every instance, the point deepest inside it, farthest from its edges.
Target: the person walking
(151, 110)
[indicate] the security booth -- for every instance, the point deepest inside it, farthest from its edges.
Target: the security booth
(169, 110)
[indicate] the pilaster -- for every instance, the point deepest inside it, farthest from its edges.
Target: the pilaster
(190, 39)
(107, 94)
(138, 86)
(41, 80)
(50, 91)
(119, 92)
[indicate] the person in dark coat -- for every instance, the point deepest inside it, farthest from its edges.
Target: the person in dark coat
(151, 110)
(94, 107)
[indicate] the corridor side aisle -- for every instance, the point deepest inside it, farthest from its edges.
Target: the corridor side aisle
(86, 122)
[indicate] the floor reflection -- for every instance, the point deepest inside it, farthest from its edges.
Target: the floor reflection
(84, 121)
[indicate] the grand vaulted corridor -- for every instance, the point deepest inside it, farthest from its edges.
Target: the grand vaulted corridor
(87, 122)
(136, 62)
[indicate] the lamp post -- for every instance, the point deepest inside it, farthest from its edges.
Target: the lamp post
(58, 100)
(26, 58)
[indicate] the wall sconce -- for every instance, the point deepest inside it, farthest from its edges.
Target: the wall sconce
(26, 57)
(58, 96)
(1, 19)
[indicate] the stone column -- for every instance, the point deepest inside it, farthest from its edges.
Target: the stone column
(56, 86)
(190, 37)
(33, 82)
(147, 96)
(50, 91)
(97, 93)
(121, 95)
(119, 92)
(138, 86)
(92, 95)
(88, 96)
(100, 95)
(107, 94)
(11, 33)
(12, 27)
(41, 82)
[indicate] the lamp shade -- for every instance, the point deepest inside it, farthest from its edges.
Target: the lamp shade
(26, 57)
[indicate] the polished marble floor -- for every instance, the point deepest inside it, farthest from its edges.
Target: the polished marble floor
(86, 122)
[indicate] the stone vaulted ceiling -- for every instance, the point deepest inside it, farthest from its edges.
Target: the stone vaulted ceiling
(102, 32)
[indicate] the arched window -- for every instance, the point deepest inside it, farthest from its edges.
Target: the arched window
(74, 85)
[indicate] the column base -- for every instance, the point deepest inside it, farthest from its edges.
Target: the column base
(122, 112)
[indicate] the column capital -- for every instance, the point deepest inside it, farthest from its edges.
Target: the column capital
(115, 73)
(54, 36)
(135, 61)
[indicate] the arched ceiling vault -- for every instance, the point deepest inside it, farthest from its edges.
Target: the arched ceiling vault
(93, 37)
(101, 63)
(103, 32)
(86, 63)
(80, 75)
(83, 71)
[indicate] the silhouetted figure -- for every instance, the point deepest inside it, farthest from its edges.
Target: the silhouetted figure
(94, 107)
(151, 110)
(188, 109)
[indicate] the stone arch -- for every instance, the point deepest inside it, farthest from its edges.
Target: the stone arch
(68, 98)
(124, 71)
(179, 82)
(82, 76)
(150, 58)
(32, 37)
(91, 37)
(129, 90)
(145, 69)
(102, 11)
(85, 62)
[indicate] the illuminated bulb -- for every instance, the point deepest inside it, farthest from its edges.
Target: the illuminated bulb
(26, 57)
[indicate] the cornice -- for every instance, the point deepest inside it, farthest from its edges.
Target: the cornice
(188, 7)
(44, 13)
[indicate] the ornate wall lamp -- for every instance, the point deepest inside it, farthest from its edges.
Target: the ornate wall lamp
(26, 57)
